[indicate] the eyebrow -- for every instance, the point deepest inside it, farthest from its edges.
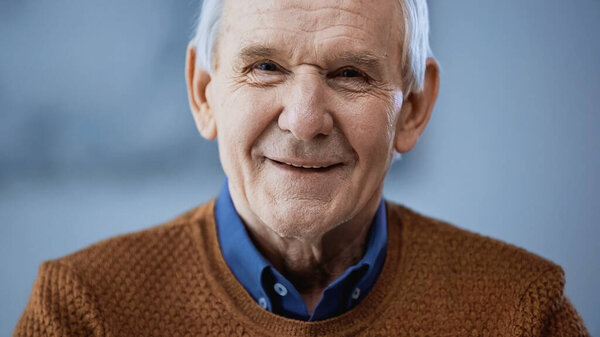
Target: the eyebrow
(361, 59)
(254, 51)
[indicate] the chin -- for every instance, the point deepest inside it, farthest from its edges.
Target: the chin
(300, 218)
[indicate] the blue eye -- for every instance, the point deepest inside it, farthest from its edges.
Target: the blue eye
(267, 66)
(350, 73)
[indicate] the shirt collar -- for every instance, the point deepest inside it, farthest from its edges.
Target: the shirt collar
(242, 257)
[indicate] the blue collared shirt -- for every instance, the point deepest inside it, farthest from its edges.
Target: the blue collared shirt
(273, 291)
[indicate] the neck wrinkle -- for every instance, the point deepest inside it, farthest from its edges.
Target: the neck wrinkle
(306, 264)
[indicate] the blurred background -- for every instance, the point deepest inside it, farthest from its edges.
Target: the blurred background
(96, 138)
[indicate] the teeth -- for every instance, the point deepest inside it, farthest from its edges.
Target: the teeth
(305, 166)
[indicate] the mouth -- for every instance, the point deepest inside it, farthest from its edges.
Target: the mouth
(305, 166)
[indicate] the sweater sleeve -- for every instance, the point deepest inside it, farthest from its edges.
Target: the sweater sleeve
(59, 305)
(544, 310)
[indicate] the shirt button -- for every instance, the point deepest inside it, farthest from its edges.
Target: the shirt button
(262, 302)
(280, 289)
(356, 293)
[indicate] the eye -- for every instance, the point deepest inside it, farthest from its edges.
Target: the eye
(350, 73)
(265, 73)
(267, 66)
(350, 79)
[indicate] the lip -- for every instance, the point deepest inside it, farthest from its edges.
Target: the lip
(304, 164)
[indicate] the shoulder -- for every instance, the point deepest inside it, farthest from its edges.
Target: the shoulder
(465, 257)
(117, 279)
(139, 256)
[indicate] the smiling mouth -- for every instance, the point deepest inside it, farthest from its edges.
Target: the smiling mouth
(321, 167)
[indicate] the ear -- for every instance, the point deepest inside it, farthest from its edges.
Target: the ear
(198, 83)
(416, 109)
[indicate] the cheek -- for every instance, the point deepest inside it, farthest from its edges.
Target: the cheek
(242, 115)
(368, 126)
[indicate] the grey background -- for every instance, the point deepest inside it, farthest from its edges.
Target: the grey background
(96, 138)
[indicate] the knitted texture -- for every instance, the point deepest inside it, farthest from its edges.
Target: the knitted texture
(171, 280)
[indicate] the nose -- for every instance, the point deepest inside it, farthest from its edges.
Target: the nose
(305, 114)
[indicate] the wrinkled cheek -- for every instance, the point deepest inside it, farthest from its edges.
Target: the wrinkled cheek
(374, 146)
(374, 137)
(242, 117)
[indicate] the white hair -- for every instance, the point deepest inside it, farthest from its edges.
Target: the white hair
(415, 42)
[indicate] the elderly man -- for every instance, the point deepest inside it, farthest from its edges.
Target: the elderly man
(308, 101)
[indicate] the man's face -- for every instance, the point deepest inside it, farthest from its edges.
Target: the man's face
(306, 95)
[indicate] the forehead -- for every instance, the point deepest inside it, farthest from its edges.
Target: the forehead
(313, 28)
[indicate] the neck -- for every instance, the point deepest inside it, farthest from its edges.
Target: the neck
(312, 263)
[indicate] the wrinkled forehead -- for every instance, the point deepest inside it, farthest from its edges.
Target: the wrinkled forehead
(313, 28)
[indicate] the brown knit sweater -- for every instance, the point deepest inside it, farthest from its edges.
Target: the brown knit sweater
(171, 280)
